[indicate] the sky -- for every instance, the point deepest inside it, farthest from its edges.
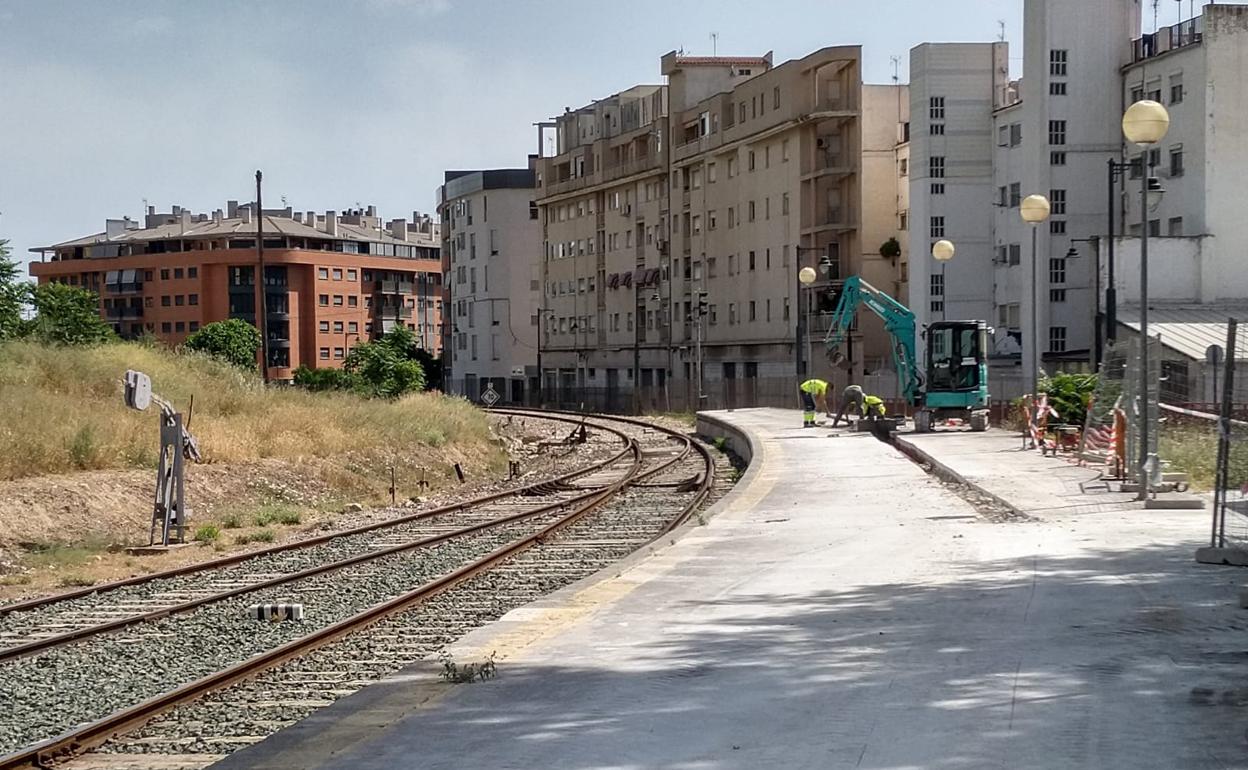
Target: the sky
(106, 103)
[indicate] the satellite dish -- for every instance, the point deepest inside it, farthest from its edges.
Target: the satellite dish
(138, 390)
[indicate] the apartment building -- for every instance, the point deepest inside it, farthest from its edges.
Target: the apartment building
(330, 279)
(603, 207)
(1051, 134)
(491, 246)
(728, 181)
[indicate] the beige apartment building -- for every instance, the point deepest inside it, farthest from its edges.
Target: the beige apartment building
(720, 187)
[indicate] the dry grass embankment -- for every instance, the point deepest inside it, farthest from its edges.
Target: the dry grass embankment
(76, 464)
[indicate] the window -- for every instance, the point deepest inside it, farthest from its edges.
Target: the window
(180, 327)
(710, 173)
(784, 151)
(1057, 202)
(352, 300)
(903, 221)
(352, 275)
(1057, 339)
(1057, 158)
(1003, 136)
(936, 167)
(1154, 228)
(750, 159)
(1057, 63)
(751, 212)
(147, 275)
(1176, 89)
(936, 284)
(178, 273)
(786, 309)
(1057, 226)
(775, 98)
(1016, 253)
(193, 326)
(937, 129)
(1016, 134)
(164, 274)
(711, 220)
(324, 327)
(337, 300)
(337, 273)
(166, 327)
(751, 263)
(753, 311)
(1003, 196)
(339, 353)
(1057, 132)
(192, 299)
(1176, 161)
(1057, 88)
(784, 204)
(937, 227)
(732, 313)
(179, 300)
(1016, 194)
(904, 167)
(338, 328)
(936, 108)
(936, 306)
(323, 300)
(938, 188)
(1137, 93)
(323, 274)
(1057, 295)
(1057, 270)
(191, 272)
(166, 301)
(1176, 226)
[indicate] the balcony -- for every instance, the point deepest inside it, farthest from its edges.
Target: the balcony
(1166, 39)
(392, 311)
(395, 287)
(129, 287)
(123, 313)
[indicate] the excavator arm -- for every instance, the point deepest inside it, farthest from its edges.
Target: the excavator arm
(898, 320)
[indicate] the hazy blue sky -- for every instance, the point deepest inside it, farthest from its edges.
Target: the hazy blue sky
(106, 102)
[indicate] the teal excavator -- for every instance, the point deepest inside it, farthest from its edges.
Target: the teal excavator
(954, 382)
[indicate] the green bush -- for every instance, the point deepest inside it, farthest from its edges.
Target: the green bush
(234, 341)
(319, 380)
(263, 536)
(1069, 395)
(207, 533)
(67, 315)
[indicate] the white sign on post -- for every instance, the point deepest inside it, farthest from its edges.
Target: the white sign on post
(490, 396)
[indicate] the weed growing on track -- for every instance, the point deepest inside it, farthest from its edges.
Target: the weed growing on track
(64, 412)
(467, 674)
(76, 581)
(207, 534)
(263, 536)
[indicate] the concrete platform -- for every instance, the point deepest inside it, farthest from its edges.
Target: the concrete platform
(843, 610)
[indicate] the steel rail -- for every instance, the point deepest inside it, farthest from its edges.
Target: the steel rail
(85, 737)
(226, 561)
(40, 645)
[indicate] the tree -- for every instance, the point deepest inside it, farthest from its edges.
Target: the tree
(234, 341)
(14, 295)
(890, 249)
(67, 315)
(317, 380)
(388, 367)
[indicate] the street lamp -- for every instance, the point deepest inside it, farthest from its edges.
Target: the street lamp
(1145, 123)
(808, 276)
(1034, 210)
(942, 252)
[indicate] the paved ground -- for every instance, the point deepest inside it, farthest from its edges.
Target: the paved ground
(846, 611)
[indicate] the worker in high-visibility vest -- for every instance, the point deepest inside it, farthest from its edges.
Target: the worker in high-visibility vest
(814, 395)
(873, 406)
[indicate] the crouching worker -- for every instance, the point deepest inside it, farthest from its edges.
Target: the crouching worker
(852, 400)
(814, 395)
(873, 406)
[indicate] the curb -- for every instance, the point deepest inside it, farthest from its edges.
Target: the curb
(945, 473)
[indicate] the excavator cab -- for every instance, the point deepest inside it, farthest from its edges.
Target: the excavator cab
(957, 373)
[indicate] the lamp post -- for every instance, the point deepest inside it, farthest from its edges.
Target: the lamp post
(1034, 210)
(808, 276)
(942, 252)
(543, 314)
(1145, 123)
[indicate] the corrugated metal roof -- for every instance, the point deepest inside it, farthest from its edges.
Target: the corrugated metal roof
(1189, 330)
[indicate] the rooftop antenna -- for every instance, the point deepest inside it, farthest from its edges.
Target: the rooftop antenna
(1001, 33)
(1156, 3)
(896, 60)
(714, 44)
(283, 201)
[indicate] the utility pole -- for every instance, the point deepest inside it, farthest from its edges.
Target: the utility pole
(260, 279)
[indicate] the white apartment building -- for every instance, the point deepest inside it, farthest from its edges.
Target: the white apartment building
(1050, 134)
(491, 243)
(726, 181)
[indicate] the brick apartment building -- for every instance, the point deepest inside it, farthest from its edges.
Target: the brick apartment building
(332, 279)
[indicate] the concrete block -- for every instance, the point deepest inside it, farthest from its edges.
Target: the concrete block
(1231, 556)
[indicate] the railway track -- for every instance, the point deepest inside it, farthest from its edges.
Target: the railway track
(205, 680)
